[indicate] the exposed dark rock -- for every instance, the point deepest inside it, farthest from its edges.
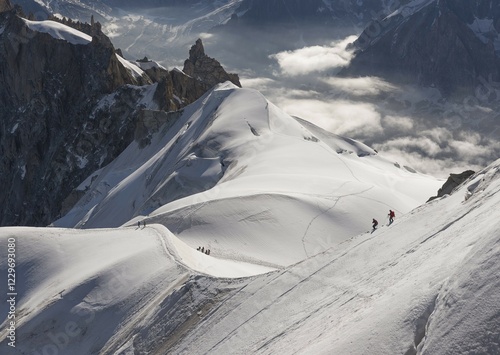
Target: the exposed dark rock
(206, 69)
(453, 182)
(5, 5)
(67, 110)
(150, 122)
(177, 88)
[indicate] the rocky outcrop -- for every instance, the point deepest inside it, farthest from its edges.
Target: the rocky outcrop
(206, 69)
(66, 110)
(48, 137)
(201, 73)
(452, 183)
(150, 122)
(5, 5)
(434, 46)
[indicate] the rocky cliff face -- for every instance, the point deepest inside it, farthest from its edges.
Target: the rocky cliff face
(66, 110)
(48, 91)
(5, 5)
(177, 88)
(438, 45)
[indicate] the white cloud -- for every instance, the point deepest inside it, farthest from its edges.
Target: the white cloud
(315, 59)
(469, 150)
(440, 168)
(360, 86)
(205, 35)
(398, 123)
(424, 145)
(260, 84)
(341, 117)
(439, 135)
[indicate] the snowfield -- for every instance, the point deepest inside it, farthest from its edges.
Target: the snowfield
(236, 174)
(427, 284)
(285, 209)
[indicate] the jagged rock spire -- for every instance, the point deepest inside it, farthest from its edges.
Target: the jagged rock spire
(197, 51)
(206, 69)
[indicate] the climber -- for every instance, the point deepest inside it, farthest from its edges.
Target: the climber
(375, 224)
(392, 215)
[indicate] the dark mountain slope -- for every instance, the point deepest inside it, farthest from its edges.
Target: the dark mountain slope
(434, 46)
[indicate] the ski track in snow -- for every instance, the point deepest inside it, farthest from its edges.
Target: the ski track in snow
(279, 296)
(338, 198)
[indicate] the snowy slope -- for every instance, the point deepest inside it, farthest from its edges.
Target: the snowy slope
(59, 31)
(428, 284)
(133, 68)
(103, 279)
(234, 173)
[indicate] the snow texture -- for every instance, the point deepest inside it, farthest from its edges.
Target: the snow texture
(279, 205)
(149, 65)
(131, 67)
(428, 284)
(59, 31)
(234, 171)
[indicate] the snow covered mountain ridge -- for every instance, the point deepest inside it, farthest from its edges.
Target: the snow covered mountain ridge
(425, 285)
(232, 169)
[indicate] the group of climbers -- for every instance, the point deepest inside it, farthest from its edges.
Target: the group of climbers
(391, 215)
(203, 250)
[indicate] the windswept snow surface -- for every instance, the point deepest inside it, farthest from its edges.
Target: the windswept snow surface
(236, 174)
(428, 284)
(59, 31)
(151, 64)
(133, 68)
(101, 279)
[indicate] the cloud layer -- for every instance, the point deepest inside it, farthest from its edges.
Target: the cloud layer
(409, 125)
(313, 59)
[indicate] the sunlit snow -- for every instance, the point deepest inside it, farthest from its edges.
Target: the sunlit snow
(59, 31)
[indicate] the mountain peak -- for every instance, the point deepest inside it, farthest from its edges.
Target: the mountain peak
(201, 66)
(197, 51)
